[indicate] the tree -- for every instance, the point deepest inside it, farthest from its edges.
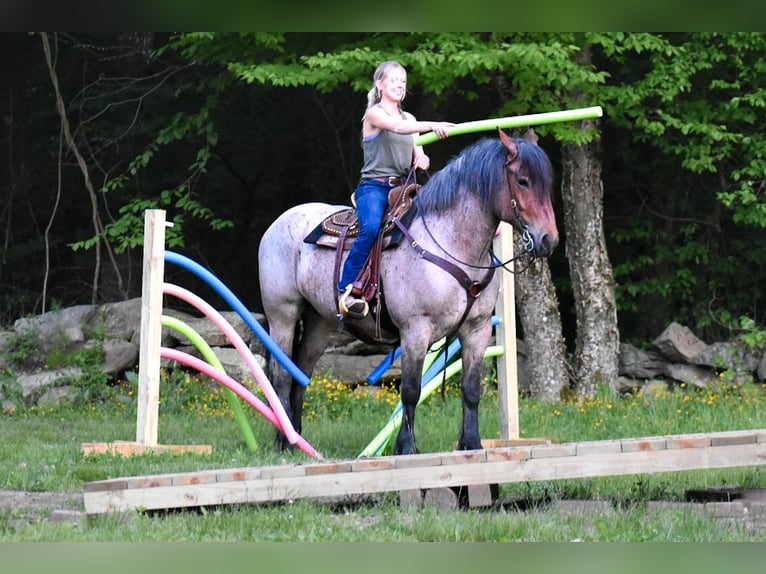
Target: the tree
(693, 241)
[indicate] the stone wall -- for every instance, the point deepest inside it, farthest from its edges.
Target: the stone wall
(676, 355)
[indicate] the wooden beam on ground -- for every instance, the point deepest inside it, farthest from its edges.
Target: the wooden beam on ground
(535, 462)
(126, 448)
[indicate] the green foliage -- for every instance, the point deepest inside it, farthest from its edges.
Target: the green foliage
(183, 129)
(10, 387)
(702, 99)
(92, 385)
(22, 347)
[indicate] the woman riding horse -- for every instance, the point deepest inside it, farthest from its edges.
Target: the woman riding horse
(390, 155)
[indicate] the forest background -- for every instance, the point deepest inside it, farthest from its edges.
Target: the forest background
(661, 201)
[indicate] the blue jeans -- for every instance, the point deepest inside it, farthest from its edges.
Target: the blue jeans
(371, 204)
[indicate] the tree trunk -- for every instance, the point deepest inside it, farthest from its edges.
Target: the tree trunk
(538, 309)
(596, 358)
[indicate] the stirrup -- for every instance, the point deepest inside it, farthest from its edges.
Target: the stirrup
(351, 306)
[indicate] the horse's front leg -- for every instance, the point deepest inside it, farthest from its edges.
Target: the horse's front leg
(473, 368)
(412, 371)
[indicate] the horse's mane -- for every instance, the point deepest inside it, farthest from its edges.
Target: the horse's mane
(479, 170)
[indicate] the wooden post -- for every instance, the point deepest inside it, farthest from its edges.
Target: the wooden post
(151, 328)
(507, 375)
(147, 419)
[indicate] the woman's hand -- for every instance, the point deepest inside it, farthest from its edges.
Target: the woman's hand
(420, 159)
(440, 128)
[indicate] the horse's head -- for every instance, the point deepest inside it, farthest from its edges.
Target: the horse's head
(528, 204)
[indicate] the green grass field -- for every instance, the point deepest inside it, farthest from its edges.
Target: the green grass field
(41, 451)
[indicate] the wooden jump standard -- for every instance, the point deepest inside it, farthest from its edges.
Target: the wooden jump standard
(535, 462)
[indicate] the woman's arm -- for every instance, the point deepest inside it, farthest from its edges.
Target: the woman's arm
(377, 118)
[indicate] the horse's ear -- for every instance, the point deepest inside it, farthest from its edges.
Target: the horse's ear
(509, 144)
(531, 136)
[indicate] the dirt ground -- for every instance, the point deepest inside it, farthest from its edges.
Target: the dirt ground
(23, 507)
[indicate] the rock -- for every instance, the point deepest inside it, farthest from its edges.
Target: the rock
(54, 395)
(236, 367)
(640, 364)
(679, 344)
(74, 335)
(689, 374)
(354, 368)
(119, 356)
(35, 384)
(50, 328)
(212, 334)
(122, 320)
(679, 356)
(729, 355)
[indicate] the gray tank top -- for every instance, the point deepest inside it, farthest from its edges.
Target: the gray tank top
(387, 154)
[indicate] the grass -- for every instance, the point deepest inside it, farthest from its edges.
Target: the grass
(40, 451)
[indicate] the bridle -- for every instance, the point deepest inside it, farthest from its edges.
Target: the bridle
(527, 256)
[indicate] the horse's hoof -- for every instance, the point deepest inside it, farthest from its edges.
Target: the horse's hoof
(281, 444)
(406, 449)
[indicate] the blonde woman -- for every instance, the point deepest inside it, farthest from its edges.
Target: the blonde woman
(390, 154)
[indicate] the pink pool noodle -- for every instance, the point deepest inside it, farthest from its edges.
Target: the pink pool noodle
(285, 425)
(236, 387)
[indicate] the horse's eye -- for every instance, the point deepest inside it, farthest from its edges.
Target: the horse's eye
(523, 182)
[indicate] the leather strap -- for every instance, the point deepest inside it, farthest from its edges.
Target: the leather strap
(472, 288)
(338, 257)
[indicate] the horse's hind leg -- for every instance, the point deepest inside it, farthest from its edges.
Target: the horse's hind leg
(309, 349)
(283, 316)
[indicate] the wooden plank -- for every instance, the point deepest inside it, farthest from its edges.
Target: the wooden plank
(128, 448)
(279, 483)
(441, 498)
(505, 308)
(151, 328)
(482, 495)
(376, 463)
(554, 450)
(106, 485)
(503, 442)
(417, 460)
(233, 474)
(697, 440)
(646, 443)
(509, 454)
(597, 447)
(329, 468)
(463, 457)
(733, 437)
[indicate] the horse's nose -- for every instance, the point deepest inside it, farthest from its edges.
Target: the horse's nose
(545, 245)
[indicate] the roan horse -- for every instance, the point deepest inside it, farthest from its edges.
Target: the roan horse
(458, 212)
